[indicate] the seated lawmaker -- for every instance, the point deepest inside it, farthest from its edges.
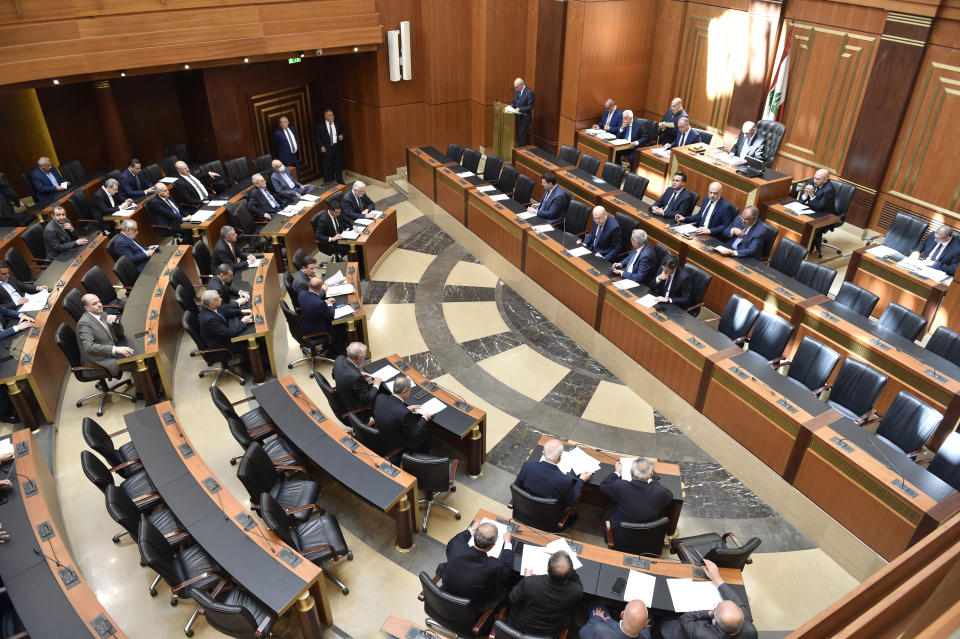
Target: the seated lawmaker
(356, 389)
(357, 204)
(612, 118)
(100, 336)
(47, 182)
(715, 214)
(469, 572)
(165, 212)
(226, 251)
(686, 134)
(641, 264)
(640, 500)
(398, 423)
(106, 202)
(604, 238)
(316, 311)
(134, 183)
(288, 189)
(543, 605)
(9, 200)
(59, 235)
(633, 623)
(7, 414)
(544, 479)
(745, 237)
(668, 126)
(676, 199)
(13, 292)
(191, 190)
(554, 202)
(308, 271)
(730, 617)
(219, 324)
(127, 244)
(672, 284)
(939, 250)
(818, 193)
(633, 133)
(222, 283)
(749, 143)
(327, 226)
(261, 203)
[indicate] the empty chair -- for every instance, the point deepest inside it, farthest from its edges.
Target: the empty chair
(787, 257)
(169, 165)
(569, 154)
(661, 251)
(902, 321)
(946, 463)
(123, 511)
(178, 277)
(254, 426)
(946, 344)
(72, 301)
(96, 282)
(812, 364)
(319, 540)
(638, 538)
(19, 266)
(471, 160)
(153, 172)
(126, 271)
(66, 339)
(769, 239)
(589, 164)
(904, 233)
(201, 255)
(491, 169)
(772, 133)
(313, 346)
(454, 152)
(137, 487)
(508, 179)
(770, 336)
(186, 299)
(857, 299)
(627, 225)
(539, 512)
(73, 172)
(238, 615)
(612, 174)
(737, 318)
(523, 190)
(855, 390)
(434, 477)
(575, 218)
(178, 150)
(124, 460)
(256, 472)
(635, 185)
(816, 276)
(705, 136)
(84, 212)
(262, 163)
(907, 424)
(693, 550)
(699, 282)
(247, 227)
(238, 169)
(218, 359)
(449, 612)
(33, 238)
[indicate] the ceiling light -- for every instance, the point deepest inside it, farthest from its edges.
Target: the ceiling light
(55, 81)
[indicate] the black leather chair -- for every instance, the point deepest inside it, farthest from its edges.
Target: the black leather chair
(491, 169)
(186, 299)
(693, 550)
(299, 256)
(902, 321)
(153, 172)
(738, 318)
(319, 540)
(434, 476)
(541, 513)
(258, 475)
(73, 302)
(627, 224)
(25, 176)
(190, 569)
(946, 463)
(699, 283)
(635, 185)
(215, 166)
(769, 239)
(904, 233)
(661, 251)
(277, 449)
(238, 169)
(201, 255)
(841, 204)
(33, 238)
(247, 227)
(313, 346)
(816, 276)
(373, 438)
(449, 612)
(855, 390)
(589, 164)
(857, 299)
(83, 210)
(328, 391)
(454, 152)
(262, 163)
(96, 282)
(179, 151)
(508, 179)
(124, 460)
(613, 174)
(811, 365)
(788, 257)
(169, 165)
(253, 426)
(770, 336)
(74, 173)
(575, 218)
(239, 615)
(112, 247)
(908, 424)
(66, 339)
(178, 277)
(772, 133)
(471, 160)
(523, 190)
(126, 271)
(502, 631)
(569, 154)
(123, 511)
(218, 359)
(19, 266)
(638, 538)
(946, 344)
(137, 487)
(292, 293)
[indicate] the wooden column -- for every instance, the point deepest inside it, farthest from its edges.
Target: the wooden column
(117, 144)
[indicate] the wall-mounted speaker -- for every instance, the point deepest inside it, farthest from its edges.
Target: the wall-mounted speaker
(393, 53)
(406, 60)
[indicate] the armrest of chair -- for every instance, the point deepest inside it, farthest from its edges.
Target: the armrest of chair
(248, 398)
(870, 240)
(915, 453)
(285, 458)
(482, 620)
(500, 614)
(212, 350)
(119, 432)
(94, 367)
(294, 511)
(454, 464)
(189, 582)
(733, 537)
(569, 512)
(740, 341)
(269, 619)
(434, 579)
(177, 536)
(294, 469)
(260, 430)
(306, 551)
(678, 548)
(867, 418)
(563, 633)
(124, 465)
(145, 498)
(606, 524)
(780, 362)
(711, 319)
(690, 309)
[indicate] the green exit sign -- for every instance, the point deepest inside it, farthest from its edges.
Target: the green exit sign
(294, 60)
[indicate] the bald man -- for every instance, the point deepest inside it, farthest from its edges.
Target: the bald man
(101, 336)
(287, 187)
(604, 238)
(668, 126)
(522, 102)
(632, 623)
(612, 118)
(260, 201)
(715, 214)
(730, 618)
(469, 572)
(544, 479)
(819, 194)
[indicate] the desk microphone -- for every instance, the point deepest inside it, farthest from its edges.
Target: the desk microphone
(765, 385)
(222, 509)
(37, 551)
(10, 354)
(140, 334)
(374, 456)
(263, 537)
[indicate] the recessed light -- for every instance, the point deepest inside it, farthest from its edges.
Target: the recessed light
(186, 66)
(355, 49)
(123, 74)
(246, 60)
(55, 81)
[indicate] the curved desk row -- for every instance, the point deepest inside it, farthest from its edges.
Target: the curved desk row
(295, 231)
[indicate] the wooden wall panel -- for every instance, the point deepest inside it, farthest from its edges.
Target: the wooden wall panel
(150, 112)
(26, 135)
(662, 82)
(550, 39)
(73, 119)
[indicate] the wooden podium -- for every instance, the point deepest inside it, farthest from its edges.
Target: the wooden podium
(504, 131)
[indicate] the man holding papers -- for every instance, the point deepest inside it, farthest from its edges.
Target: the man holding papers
(316, 309)
(473, 571)
(939, 251)
(612, 117)
(106, 202)
(543, 605)
(357, 203)
(355, 389)
(126, 244)
(13, 292)
(640, 500)
(730, 617)
(400, 423)
(554, 202)
(226, 252)
(632, 623)
(641, 265)
(523, 103)
(544, 479)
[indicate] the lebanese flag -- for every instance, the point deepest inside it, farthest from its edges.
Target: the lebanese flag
(773, 109)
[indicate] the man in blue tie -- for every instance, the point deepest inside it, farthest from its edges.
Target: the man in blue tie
(126, 244)
(286, 144)
(522, 102)
(287, 188)
(686, 134)
(633, 133)
(746, 237)
(604, 238)
(554, 202)
(641, 264)
(260, 201)
(165, 212)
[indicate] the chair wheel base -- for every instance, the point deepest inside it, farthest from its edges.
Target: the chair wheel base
(99, 413)
(116, 539)
(153, 592)
(350, 556)
(79, 404)
(174, 601)
(233, 462)
(345, 590)
(457, 516)
(189, 633)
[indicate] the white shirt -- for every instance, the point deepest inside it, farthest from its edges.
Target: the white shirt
(332, 130)
(290, 139)
(11, 291)
(197, 185)
(705, 220)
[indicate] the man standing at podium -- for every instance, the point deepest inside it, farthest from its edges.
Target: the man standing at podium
(522, 102)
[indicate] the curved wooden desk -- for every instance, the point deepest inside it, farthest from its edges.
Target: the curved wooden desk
(295, 231)
(374, 242)
(263, 282)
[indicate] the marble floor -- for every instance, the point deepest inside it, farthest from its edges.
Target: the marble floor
(460, 316)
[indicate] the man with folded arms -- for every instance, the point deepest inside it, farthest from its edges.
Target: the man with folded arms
(818, 193)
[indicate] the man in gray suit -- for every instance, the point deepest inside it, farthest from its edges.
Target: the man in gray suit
(100, 334)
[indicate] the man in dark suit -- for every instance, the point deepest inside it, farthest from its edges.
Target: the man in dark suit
(330, 134)
(308, 271)
(522, 102)
(469, 572)
(641, 265)
(632, 623)
(554, 202)
(126, 244)
(134, 183)
(107, 202)
(730, 617)
(745, 236)
(357, 203)
(398, 422)
(676, 199)
(640, 500)
(939, 250)
(356, 390)
(23, 322)
(287, 144)
(672, 284)
(165, 212)
(749, 143)
(59, 235)
(47, 182)
(219, 324)
(668, 125)
(612, 118)
(686, 134)
(260, 201)
(12, 290)
(818, 193)
(327, 226)
(222, 283)
(543, 605)
(191, 190)
(288, 189)
(715, 214)
(604, 238)
(227, 252)
(543, 478)
(101, 336)
(9, 200)
(316, 311)
(631, 131)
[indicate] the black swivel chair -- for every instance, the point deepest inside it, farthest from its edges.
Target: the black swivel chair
(904, 233)
(569, 154)
(434, 476)
(126, 271)
(19, 266)
(239, 615)
(256, 425)
(258, 475)
(186, 299)
(693, 550)
(541, 513)
(811, 365)
(112, 247)
(908, 424)
(313, 346)
(769, 337)
(247, 227)
(491, 169)
(123, 511)
(788, 257)
(201, 255)
(299, 256)
(178, 151)
(73, 172)
(319, 540)
(374, 439)
(502, 631)
(292, 293)
(66, 339)
(328, 391)
(169, 165)
(277, 449)
(218, 359)
(635, 185)
(661, 251)
(841, 204)
(857, 299)
(523, 190)
(637, 538)
(902, 321)
(25, 176)
(454, 152)
(83, 209)
(215, 166)
(262, 163)
(705, 136)
(178, 277)
(33, 238)
(589, 164)
(769, 239)
(238, 169)
(738, 318)
(73, 302)
(772, 133)
(855, 390)
(446, 612)
(627, 224)
(137, 487)
(613, 174)
(96, 282)
(508, 179)
(575, 218)
(699, 283)
(471, 160)
(946, 344)
(124, 460)
(816, 276)
(946, 463)
(153, 172)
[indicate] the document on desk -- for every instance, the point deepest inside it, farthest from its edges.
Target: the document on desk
(288, 211)
(6, 446)
(797, 207)
(606, 135)
(217, 203)
(577, 461)
(499, 197)
(561, 545)
(626, 463)
(686, 229)
(34, 301)
(543, 228)
(342, 311)
(486, 187)
(639, 586)
(254, 263)
(125, 212)
(336, 279)
(619, 141)
(363, 221)
(202, 216)
(647, 300)
(579, 251)
(168, 180)
(340, 289)
(662, 153)
(349, 235)
(689, 595)
(498, 546)
(465, 174)
(882, 251)
(309, 198)
(534, 559)
(526, 215)
(625, 284)
(386, 373)
(432, 407)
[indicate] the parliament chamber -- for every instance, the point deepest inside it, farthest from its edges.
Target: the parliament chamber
(295, 293)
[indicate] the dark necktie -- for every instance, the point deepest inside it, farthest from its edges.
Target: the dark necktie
(137, 178)
(221, 316)
(333, 138)
(683, 137)
(172, 206)
(666, 209)
(705, 220)
(935, 253)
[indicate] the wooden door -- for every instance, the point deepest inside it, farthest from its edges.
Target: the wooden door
(293, 102)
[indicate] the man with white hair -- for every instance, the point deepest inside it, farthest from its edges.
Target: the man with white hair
(127, 244)
(107, 202)
(749, 143)
(190, 189)
(641, 264)
(220, 324)
(633, 133)
(46, 181)
(260, 202)
(357, 204)
(640, 500)
(522, 102)
(287, 187)
(356, 389)
(544, 479)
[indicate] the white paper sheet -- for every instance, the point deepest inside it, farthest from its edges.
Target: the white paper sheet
(466, 174)
(619, 141)
(349, 235)
(432, 407)
(647, 300)
(254, 263)
(34, 302)
(340, 289)
(499, 197)
(124, 212)
(217, 203)
(689, 595)
(386, 373)
(335, 279)
(639, 586)
(796, 207)
(64, 185)
(561, 545)
(6, 446)
(686, 229)
(486, 187)
(498, 546)
(202, 216)
(576, 460)
(580, 250)
(289, 211)
(605, 135)
(168, 180)
(597, 180)
(543, 228)
(624, 284)
(309, 198)
(526, 215)
(882, 251)
(534, 559)
(662, 153)
(342, 311)
(377, 214)
(363, 221)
